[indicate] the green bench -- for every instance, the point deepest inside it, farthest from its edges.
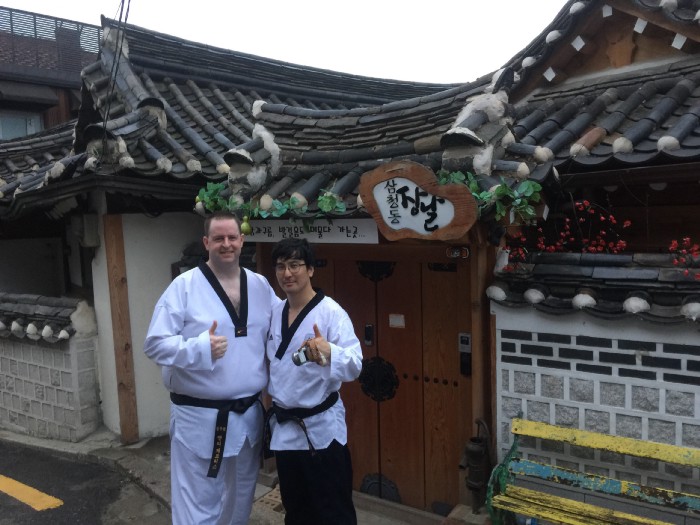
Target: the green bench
(505, 499)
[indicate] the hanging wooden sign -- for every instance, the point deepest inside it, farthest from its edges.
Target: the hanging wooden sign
(406, 201)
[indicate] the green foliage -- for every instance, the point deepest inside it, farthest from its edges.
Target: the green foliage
(451, 177)
(210, 196)
(329, 202)
(212, 200)
(279, 208)
(518, 201)
(509, 203)
(250, 209)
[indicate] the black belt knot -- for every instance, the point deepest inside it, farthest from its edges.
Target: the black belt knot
(224, 406)
(297, 415)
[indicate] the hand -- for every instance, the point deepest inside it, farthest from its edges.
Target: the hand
(319, 349)
(218, 343)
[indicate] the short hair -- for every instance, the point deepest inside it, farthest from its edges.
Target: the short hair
(294, 248)
(220, 215)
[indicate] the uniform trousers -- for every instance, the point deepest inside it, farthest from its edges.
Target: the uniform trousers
(316, 487)
(224, 500)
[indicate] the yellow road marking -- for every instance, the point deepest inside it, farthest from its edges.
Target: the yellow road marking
(28, 495)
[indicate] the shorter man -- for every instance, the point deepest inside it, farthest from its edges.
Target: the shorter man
(309, 435)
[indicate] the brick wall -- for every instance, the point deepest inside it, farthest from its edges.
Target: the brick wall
(629, 378)
(49, 390)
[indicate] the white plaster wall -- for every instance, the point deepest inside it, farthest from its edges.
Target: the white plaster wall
(580, 323)
(151, 245)
(105, 342)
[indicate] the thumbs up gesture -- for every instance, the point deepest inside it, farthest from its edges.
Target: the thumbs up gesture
(218, 343)
(320, 349)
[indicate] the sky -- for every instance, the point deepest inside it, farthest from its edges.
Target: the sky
(442, 41)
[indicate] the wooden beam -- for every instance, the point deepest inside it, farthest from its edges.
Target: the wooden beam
(121, 328)
(493, 420)
(670, 173)
(563, 510)
(692, 31)
(465, 417)
(620, 45)
(480, 341)
(615, 487)
(584, 45)
(622, 445)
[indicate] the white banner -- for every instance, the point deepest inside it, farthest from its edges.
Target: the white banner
(338, 231)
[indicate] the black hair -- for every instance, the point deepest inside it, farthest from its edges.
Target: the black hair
(292, 248)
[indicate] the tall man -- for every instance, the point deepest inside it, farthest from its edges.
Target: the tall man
(208, 334)
(309, 435)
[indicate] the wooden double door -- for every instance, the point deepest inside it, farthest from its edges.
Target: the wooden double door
(409, 414)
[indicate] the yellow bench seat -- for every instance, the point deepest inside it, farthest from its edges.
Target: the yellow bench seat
(562, 510)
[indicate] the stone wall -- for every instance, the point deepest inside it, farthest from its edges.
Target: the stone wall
(49, 390)
(629, 378)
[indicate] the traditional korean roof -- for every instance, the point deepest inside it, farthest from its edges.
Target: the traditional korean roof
(638, 115)
(646, 286)
(163, 116)
(42, 318)
(170, 110)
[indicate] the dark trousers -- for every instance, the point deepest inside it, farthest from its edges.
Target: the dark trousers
(316, 488)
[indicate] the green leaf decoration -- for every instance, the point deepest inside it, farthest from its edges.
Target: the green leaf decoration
(329, 202)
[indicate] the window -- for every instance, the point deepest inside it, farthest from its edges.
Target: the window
(15, 124)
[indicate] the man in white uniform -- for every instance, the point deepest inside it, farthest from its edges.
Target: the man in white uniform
(309, 434)
(208, 334)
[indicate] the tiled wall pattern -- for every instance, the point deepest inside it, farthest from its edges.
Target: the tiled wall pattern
(624, 379)
(49, 390)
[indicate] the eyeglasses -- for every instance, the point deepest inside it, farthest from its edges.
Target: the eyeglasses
(293, 267)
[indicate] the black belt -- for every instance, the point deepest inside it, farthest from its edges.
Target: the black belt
(224, 406)
(297, 415)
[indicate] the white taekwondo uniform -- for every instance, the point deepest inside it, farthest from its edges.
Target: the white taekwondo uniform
(309, 434)
(308, 385)
(178, 340)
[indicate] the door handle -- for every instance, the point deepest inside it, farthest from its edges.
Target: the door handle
(369, 334)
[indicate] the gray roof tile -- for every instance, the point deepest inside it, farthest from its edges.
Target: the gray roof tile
(50, 315)
(216, 102)
(610, 279)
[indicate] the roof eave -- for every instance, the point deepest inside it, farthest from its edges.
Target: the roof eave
(44, 198)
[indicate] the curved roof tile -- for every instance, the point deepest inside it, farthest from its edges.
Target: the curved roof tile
(183, 111)
(40, 317)
(601, 285)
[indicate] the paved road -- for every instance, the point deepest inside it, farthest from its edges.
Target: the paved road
(91, 493)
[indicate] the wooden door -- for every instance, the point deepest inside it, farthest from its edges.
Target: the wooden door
(408, 313)
(385, 428)
(399, 341)
(357, 296)
(443, 320)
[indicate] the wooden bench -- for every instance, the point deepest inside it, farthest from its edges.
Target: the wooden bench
(505, 500)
